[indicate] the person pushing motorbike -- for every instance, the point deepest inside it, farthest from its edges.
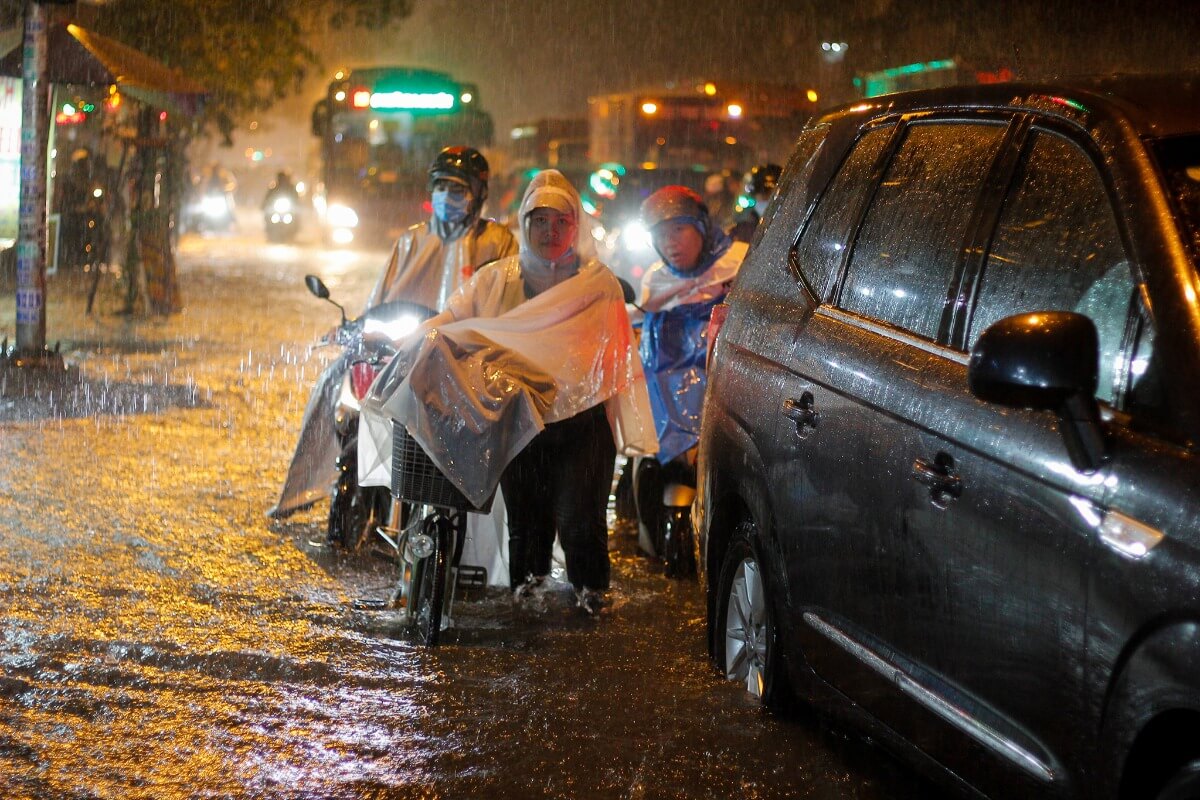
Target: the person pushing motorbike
(697, 262)
(427, 263)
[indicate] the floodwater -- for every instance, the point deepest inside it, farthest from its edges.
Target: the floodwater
(161, 638)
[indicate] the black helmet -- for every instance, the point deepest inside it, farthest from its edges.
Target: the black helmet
(466, 164)
(673, 202)
(762, 179)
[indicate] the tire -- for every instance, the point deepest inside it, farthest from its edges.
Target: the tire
(1183, 785)
(349, 511)
(679, 543)
(623, 501)
(748, 647)
(648, 492)
(429, 588)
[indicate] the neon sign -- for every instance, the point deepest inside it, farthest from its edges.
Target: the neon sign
(440, 101)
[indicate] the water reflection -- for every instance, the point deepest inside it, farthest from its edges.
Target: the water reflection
(158, 639)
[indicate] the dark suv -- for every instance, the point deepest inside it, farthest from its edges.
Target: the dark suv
(949, 479)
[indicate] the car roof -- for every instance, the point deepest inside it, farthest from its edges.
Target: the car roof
(1156, 105)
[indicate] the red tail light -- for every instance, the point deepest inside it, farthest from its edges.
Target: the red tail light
(362, 375)
(719, 313)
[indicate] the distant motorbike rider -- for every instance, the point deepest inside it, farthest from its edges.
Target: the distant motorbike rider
(758, 187)
(698, 263)
(282, 186)
(431, 259)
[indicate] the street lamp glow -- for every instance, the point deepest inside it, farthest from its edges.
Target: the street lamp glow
(649, 108)
(734, 110)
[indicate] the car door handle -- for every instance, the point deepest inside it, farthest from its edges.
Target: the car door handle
(803, 412)
(944, 484)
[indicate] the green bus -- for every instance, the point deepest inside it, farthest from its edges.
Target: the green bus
(379, 129)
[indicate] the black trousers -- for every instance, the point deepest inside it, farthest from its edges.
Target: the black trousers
(559, 484)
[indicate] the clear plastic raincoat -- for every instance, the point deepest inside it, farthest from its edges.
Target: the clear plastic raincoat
(486, 376)
(427, 264)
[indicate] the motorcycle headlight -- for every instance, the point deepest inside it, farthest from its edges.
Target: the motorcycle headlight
(394, 329)
(281, 205)
(636, 238)
(340, 216)
(213, 205)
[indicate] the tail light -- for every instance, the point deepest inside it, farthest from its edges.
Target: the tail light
(719, 313)
(362, 375)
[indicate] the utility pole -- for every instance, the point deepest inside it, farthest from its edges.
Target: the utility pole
(31, 227)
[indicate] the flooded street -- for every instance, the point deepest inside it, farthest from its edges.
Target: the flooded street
(162, 638)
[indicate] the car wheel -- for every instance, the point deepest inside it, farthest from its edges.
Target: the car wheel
(1184, 784)
(748, 643)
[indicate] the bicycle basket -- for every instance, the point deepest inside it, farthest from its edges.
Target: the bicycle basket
(416, 479)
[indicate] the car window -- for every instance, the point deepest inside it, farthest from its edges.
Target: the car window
(911, 241)
(1057, 248)
(819, 251)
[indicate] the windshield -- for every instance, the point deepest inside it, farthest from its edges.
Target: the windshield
(1179, 160)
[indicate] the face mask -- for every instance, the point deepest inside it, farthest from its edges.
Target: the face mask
(448, 207)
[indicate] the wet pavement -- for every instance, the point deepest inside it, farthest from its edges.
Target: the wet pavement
(161, 638)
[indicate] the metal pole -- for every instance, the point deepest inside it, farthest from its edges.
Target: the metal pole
(31, 230)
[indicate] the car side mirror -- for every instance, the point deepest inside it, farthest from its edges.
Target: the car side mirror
(1045, 360)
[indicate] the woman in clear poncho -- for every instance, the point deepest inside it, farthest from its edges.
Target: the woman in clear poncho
(527, 377)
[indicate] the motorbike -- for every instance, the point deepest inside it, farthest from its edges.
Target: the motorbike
(428, 539)
(659, 497)
(663, 495)
(211, 211)
(353, 509)
(281, 216)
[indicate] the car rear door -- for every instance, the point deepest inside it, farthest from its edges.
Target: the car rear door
(902, 261)
(996, 526)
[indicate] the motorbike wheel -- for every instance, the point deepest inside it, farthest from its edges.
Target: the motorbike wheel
(679, 543)
(429, 589)
(349, 511)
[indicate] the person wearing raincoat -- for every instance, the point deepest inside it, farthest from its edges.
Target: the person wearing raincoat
(531, 369)
(698, 261)
(428, 262)
(431, 259)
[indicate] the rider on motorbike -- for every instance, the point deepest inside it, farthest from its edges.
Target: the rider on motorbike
(280, 207)
(698, 262)
(432, 258)
(758, 187)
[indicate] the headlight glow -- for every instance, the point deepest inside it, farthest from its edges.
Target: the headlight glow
(281, 205)
(394, 329)
(340, 216)
(636, 237)
(213, 205)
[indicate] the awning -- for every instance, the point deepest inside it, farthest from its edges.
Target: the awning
(78, 56)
